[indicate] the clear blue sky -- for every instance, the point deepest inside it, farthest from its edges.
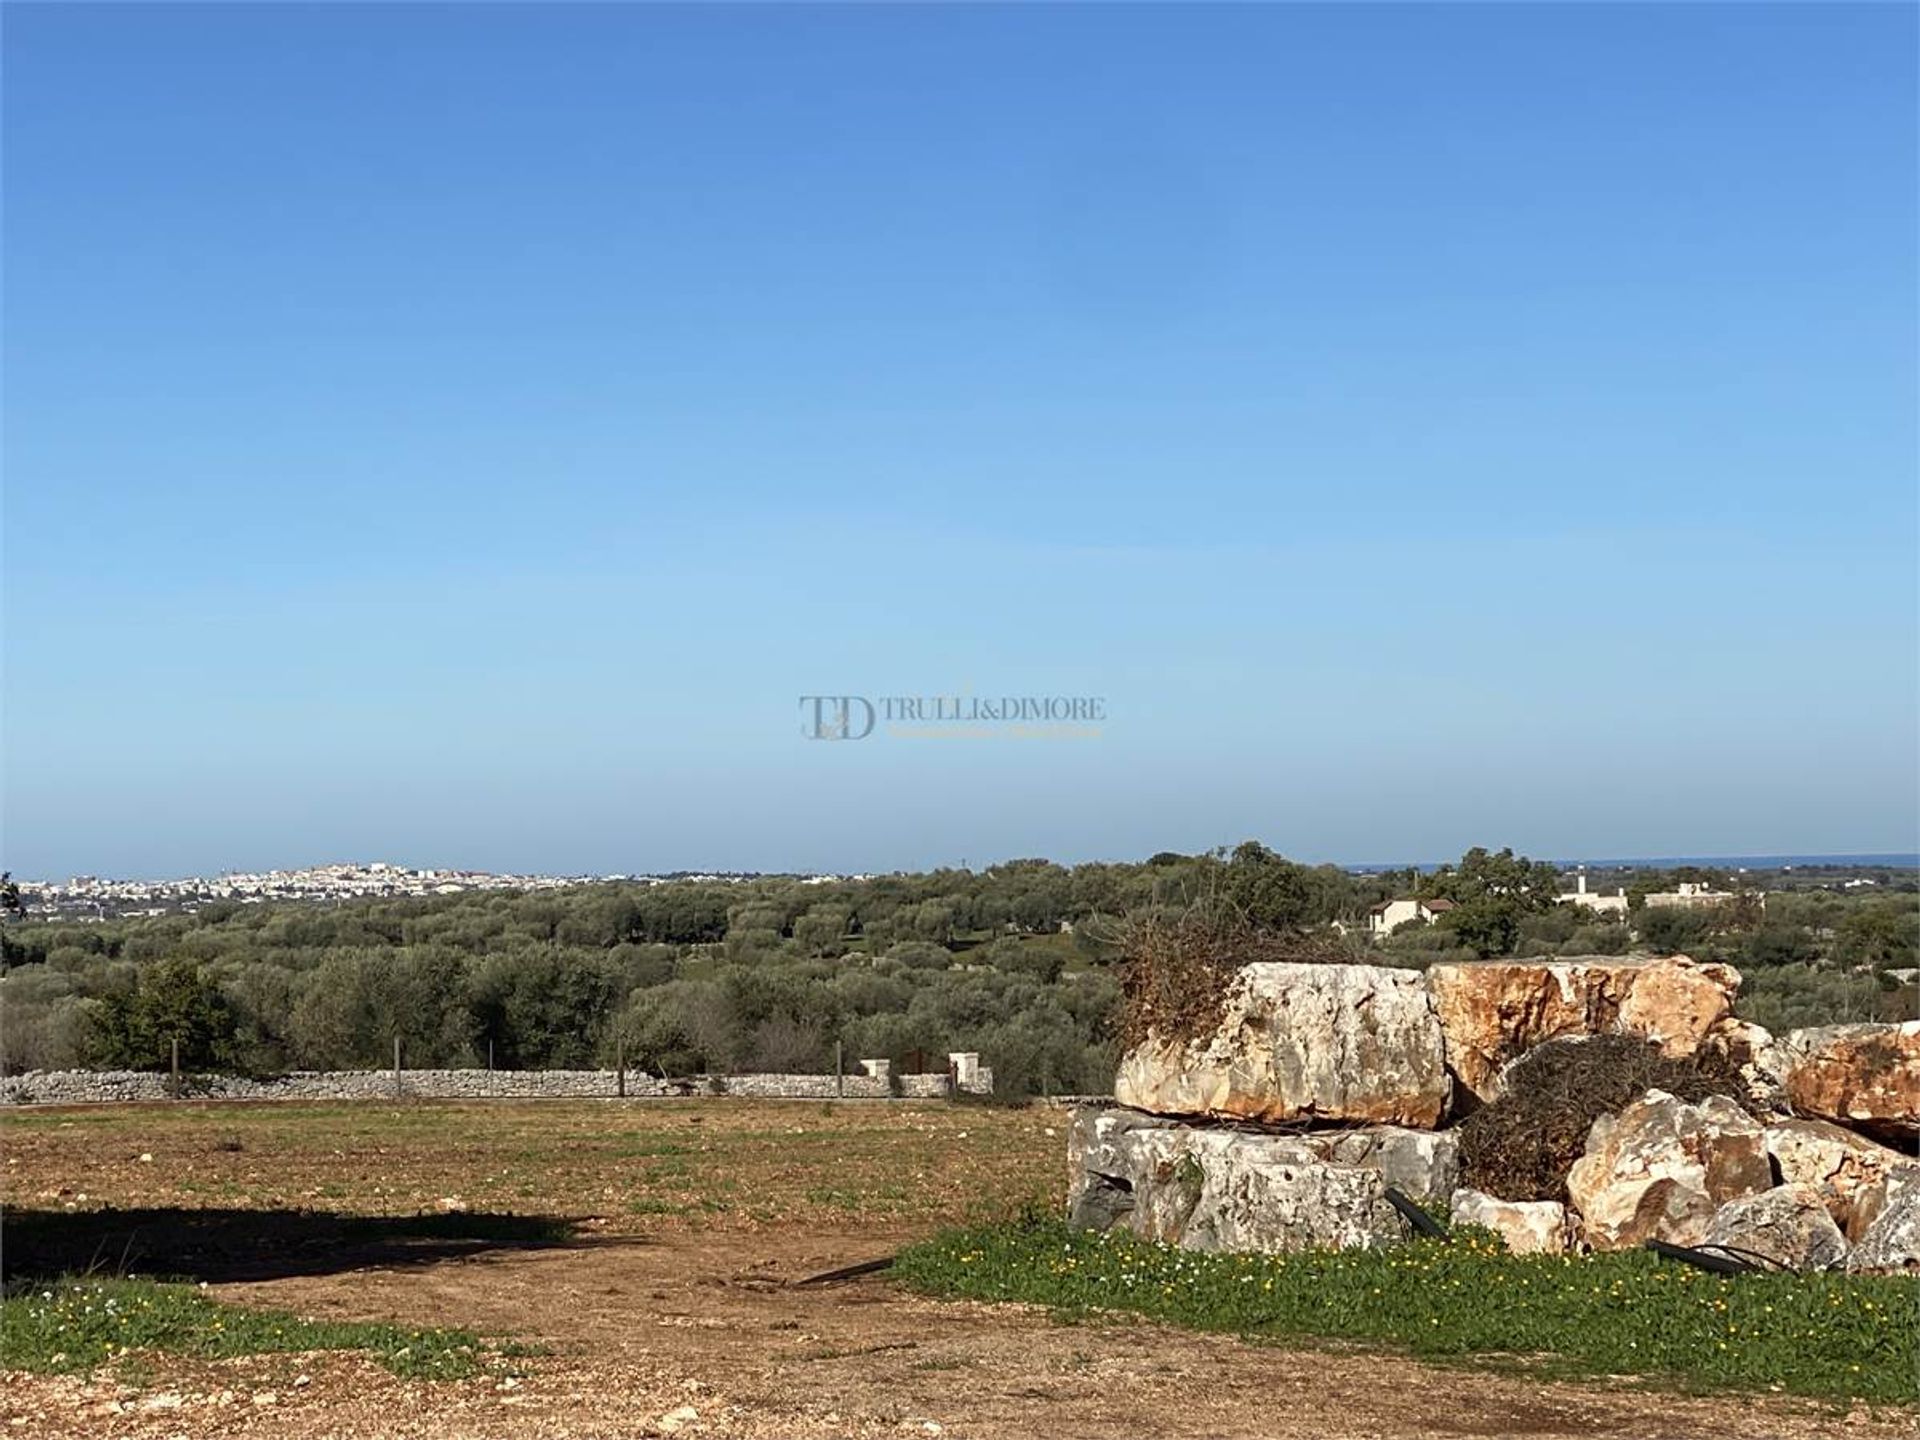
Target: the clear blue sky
(461, 435)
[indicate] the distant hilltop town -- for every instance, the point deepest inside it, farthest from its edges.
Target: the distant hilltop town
(86, 897)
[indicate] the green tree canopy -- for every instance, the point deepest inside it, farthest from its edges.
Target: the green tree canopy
(174, 1000)
(1490, 892)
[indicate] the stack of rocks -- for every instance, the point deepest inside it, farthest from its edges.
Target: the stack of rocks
(1322, 1086)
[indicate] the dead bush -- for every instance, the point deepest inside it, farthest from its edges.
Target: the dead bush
(1175, 969)
(1520, 1146)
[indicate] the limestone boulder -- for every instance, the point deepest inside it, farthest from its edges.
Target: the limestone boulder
(1493, 1011)
(1844, 1167)
(1677, 1003)
(1661, 1168)
(1423, 1165)
(1357, 1043)
(1101, 1162)
(1788, 1224)
(1891, 1242)
(1746, 1044)
(1866, 1077)
(1528, 1227)
(1255, 1194)
(1216, 1189)
(1752, 1053)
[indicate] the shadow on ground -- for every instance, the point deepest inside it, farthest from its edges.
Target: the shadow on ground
(242, 1245)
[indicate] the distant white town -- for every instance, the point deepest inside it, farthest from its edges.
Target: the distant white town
(87, 897)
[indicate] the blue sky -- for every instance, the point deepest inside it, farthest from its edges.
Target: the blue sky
(460, 435)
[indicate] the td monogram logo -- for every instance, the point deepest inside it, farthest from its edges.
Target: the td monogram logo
(835, 717)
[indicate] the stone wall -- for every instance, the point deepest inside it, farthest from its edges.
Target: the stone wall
(95, 1087)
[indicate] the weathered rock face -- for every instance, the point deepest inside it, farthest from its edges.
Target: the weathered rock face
(1846, 1169)
(1746, 1044)
(1493, 1011)
(1210, 1189)
(1423, 1165)
(1661, 1168)
(1864, 1076)
(1676, 1003)
(1103, 1163)
(1264, 1196)
(1754, 1055)
(1788, 1224)
(1320, 1042)
(1892, 1240)
(1529, 1227)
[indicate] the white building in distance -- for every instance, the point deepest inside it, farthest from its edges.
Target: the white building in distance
(1695, 896)
(1389, 915)
(1688, 895)
(1615, 903)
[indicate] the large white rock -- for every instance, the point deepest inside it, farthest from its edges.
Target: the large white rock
(1302, 1042)
(1103, 1162)
(1494, 1011)
(1215, 1189)
(1845, 1168)
(1661, 1168)
(1529, 1227)
(1423, 1165)
(1892, 1240)
(1788, 1224)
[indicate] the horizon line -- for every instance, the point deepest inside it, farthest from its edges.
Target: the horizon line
(1890, 860)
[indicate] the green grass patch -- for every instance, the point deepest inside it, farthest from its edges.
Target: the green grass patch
(641, 1145)
(78, 1325)
(884, 1199)
(1837, 1336)
(650, 1205)
(55, 1119)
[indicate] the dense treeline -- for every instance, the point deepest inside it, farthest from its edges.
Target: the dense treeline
(1016, 962)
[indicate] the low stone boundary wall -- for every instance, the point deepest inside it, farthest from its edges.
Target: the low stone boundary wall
(98, 1087)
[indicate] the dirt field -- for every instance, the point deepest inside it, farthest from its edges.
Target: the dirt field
(672, 1311)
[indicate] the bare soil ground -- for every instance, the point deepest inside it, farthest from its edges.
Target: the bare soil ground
(674, 1312)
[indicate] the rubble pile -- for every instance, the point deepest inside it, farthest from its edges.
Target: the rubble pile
(1320, 1088)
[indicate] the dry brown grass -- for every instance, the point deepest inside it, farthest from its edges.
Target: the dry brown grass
(641, 1166)
(679, 1306)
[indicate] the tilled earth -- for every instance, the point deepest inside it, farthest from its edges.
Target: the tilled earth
(675, 1311)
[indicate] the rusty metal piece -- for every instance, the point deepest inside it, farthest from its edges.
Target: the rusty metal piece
(846, 1272)
(1422, 1222)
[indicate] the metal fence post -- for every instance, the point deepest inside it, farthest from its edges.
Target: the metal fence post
(396, 1067)
(176, 1067)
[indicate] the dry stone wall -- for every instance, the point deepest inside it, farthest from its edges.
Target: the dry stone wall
(94, 1087)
